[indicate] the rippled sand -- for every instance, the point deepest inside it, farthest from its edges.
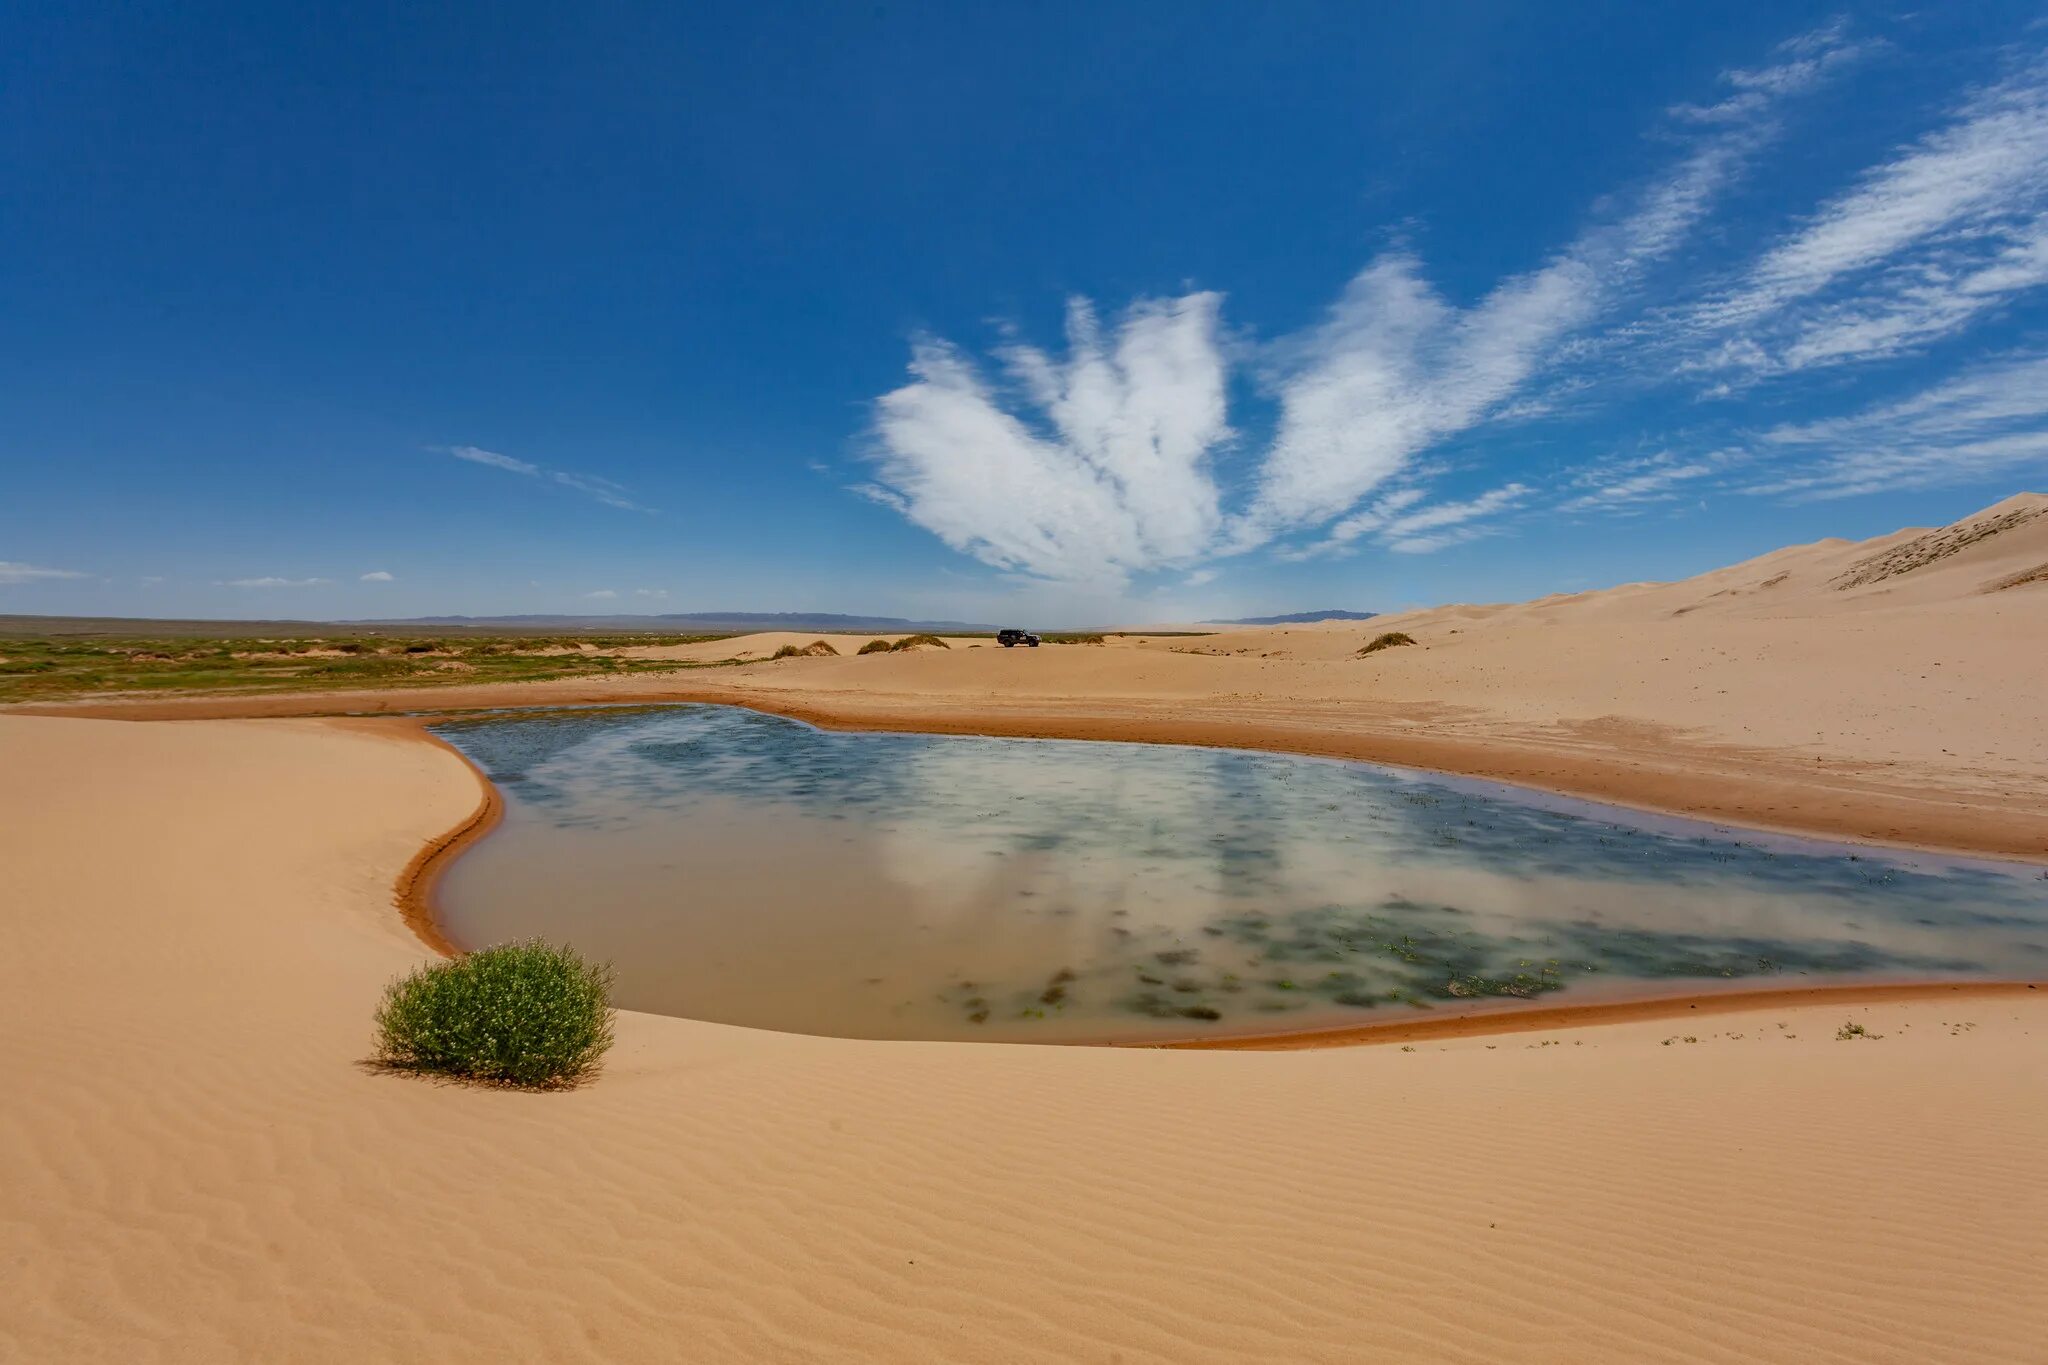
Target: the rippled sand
(198, 921)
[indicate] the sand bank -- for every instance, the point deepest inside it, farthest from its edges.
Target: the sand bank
(1887, 690)
(199, 919)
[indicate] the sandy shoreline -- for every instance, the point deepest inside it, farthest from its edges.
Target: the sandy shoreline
(414, 897)
(199, 1171)
(413, 893)
(1752, 791)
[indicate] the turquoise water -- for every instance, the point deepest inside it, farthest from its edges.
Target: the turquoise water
(754, 870)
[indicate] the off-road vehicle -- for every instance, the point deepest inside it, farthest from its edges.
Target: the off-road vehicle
(1007, 638)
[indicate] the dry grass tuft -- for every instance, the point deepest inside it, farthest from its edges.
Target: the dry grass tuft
(1386, 641)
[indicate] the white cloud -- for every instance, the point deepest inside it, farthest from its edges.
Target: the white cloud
(1397, 370)
(496, 461)
(1988, 423)
(606, 491)
(1947, 229)
(376, 576)
(1199, 577)
(272, 581)
(150, 580)
(1628, 483)
(1806, 61)
(1110, 476)
(1100, 464)
(602, 595)
(12, 572)
(650, 592)
(1433, 541)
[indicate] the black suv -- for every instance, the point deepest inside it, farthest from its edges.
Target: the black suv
(1006, 638)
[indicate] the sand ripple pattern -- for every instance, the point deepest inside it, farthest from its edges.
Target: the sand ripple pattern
(198, 920)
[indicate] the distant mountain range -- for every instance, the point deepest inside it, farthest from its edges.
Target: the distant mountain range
(1299, 618)
(698, 623)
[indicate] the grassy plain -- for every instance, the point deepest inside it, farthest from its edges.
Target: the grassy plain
(55, 667)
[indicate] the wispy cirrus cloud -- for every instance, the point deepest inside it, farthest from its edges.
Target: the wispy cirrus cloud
(273, 581)
(477, 455)
(1629, 483)
(1396, 369)
(1949, 228)
(1102, 462)
(377, 576)
(605, 491)
(1989, 421)
(14, 572)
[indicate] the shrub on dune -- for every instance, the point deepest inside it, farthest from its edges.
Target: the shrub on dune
(1386, 641)
(526, 1014)
(920, 642)
(816, 649)
(876, 647)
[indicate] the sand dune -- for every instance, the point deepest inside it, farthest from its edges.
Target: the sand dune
(1886, 689)
(199, 919)
(763, 644)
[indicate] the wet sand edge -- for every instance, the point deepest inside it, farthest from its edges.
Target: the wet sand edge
(414, 896)
(413, 892)
(1554, 1017)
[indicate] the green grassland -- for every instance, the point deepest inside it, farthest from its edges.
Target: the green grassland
(59, 667)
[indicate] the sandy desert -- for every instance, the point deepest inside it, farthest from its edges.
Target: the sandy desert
(201, 913)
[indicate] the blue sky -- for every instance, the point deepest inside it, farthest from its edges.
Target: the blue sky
(1061, 312)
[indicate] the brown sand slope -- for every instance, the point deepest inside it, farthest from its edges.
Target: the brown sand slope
(198, 921)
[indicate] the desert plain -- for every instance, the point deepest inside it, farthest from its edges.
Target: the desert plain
(202, 906)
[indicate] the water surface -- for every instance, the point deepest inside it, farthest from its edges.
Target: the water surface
(749, 869)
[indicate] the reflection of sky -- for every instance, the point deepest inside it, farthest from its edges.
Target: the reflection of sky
(1392, 886)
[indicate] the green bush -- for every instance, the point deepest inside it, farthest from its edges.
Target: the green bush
(816, 649)
(876, 647)
(527, 1014)
(919, 641)
(1387, 641)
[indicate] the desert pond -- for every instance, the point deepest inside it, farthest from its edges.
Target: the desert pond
(749, 869)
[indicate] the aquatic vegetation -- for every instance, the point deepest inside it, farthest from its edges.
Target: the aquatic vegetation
(526, 1014)
(1047, 890)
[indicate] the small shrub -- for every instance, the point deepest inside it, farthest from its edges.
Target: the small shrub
(525, 1014)
(917, 641)
(786, 652)
(875, 647)
(1386, 641)
(816, 649)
